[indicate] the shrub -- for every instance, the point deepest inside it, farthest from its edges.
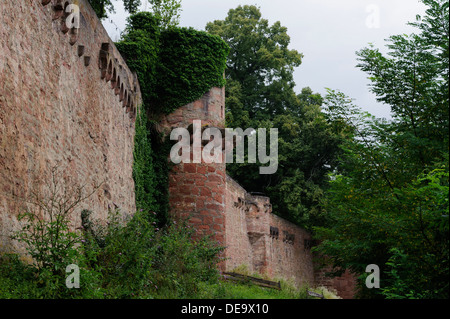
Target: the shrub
(49, 239)
(181, 262)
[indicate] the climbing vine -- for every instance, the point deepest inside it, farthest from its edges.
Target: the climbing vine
(143, 172)
(190, 63)
(175, 66)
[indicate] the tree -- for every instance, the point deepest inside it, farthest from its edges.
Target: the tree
(167, 11)
(260, 94)
(388, 198)
(102, 7)
(260, 65)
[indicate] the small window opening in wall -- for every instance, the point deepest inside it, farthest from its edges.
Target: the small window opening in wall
(288, 238)
(274, 232)
(80, 50)
(309, 243)
(64, 15)
(87, 60)
(103, 63)
(114, 79)
(109, 73)
(117, 89)
(125, 99)
(121, 93)
(58, 11)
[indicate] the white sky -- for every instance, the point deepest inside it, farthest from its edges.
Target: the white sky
(327, 32)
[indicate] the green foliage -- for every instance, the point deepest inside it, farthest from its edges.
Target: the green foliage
(175, 66)
(260, 61)
(307, 146)
(191, 62)
(103, 7)
(419, 263)
(388, 199)
(161, 167)
(182, 263)
(230, 290)
(17, 280)
(128, 257)
(143, 172)
(260, 94)
(167, 11)
(139, 46)
(123, 259)
(123, 252)
(225, 289)
(50, 241)
(414, 80)
(132, 6)
(45, 224)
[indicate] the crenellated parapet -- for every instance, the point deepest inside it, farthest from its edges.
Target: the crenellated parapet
(74, 18)
(124, 84)
(67, 99)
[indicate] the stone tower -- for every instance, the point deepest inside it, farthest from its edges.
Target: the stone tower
(197, 190)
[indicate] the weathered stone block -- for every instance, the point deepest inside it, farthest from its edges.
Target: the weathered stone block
(55, 109)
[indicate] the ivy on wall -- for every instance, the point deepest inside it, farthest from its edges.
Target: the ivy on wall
(190, 63)
(143, 172)
(139, 46)
(175, 66)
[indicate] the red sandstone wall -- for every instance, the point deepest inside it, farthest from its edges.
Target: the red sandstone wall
(245, 224)
(239, 249)
(65, 98)
(197, 191)
(250, 242)
(210, 109)
(288, 256)
(345, 285)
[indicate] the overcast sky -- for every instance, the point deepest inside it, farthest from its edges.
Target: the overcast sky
(327, 32)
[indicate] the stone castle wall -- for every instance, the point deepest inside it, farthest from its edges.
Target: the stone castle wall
(197, 190)
(67, 98)
(244, 223)
(263, 241)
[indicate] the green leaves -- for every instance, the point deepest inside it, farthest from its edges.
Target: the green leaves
(388, 199)
(260, 94)
(167, 11)
(190, 63)
(413, 79)
(143, 173)
(259, 60)
(175, 66)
